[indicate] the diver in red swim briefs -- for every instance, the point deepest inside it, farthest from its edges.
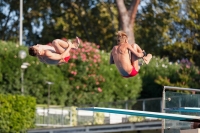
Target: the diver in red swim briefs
(56, 53)
(126, 65)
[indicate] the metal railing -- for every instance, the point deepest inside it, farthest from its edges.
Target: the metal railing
(69, 116)
(55, 116)
(172, 98)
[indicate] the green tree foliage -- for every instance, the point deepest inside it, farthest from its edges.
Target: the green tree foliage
(104, 29)
(8, 71)
(158, 23)
(83, 19)
(161, 72)
(154, 24)
(91, 20)
(158, 67)
(17, 113)
(187, 34)
(9, 24)
(187, 76)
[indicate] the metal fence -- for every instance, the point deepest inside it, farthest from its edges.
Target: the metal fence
(178, 97)
(55, 116)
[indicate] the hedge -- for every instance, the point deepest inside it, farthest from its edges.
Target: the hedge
(17, 113)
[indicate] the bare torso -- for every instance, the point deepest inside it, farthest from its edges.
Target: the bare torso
(45, 59)
(47, 47)
(121, 58)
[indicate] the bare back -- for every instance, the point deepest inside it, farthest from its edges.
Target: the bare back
(45, 59)
(121, 59)
(47, 47)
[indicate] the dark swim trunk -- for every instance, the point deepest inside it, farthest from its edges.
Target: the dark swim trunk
(67, 58)
(132, 74)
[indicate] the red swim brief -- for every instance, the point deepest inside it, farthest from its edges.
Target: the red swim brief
(133, 73)
(67, 58)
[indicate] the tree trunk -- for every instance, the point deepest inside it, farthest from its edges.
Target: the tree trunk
(127, 18)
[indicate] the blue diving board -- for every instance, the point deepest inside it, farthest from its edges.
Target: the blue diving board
(184, 109)
(144, 113)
